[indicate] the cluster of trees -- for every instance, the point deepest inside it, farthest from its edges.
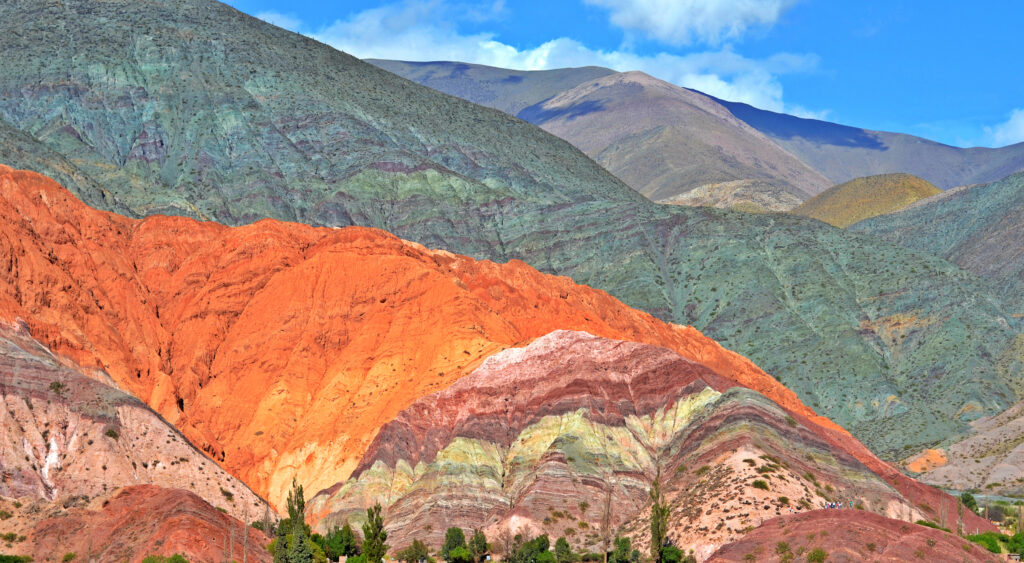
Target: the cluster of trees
(294, 543)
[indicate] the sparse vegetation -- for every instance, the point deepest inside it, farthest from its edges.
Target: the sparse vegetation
(760, 484)
(817, 555)
(111, 433)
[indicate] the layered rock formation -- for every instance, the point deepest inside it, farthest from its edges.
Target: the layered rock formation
(194, 108)
(132, 523)
(551, 437)
(849, 535)
(65, 437)
(863, 198)
(280, 348)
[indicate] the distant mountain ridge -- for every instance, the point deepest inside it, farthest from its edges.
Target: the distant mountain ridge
(839, 152)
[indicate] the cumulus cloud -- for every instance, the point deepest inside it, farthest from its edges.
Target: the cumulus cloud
(291, 23)
(1009, 132)
(681, 22)
(426, 31)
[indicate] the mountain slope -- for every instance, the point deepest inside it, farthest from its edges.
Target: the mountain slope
(238, 334)
(262, 122)
(66, 436)
(980, 228)
(552, 437)
(506, 90)
(863, 198)
(843, 153)
(665, 141)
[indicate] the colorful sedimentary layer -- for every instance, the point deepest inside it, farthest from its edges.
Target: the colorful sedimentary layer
(549, 437)
(279, 348)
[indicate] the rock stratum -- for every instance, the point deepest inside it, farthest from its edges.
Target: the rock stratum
(194, 108)
(280, 348)
(550, 437)
(864, 198)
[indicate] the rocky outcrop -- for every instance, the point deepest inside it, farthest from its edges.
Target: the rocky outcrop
(65, 437)
(551, 437)
(260, 122)
(132, 523)
(279, 348)
(849, 535)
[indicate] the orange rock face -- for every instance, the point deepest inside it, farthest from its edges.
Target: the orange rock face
(280, 348)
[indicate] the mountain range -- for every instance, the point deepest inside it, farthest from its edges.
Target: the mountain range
(273, 124)
(234, 260)
(840, 153)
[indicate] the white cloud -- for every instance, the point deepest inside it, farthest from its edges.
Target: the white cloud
(1009, 132)
(291, 23)
(681, 22)
(423, 31)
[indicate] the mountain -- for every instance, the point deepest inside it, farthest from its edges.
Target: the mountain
(863, 198)
(849, 535)
(68, 436)
(843, 153)
(980, 228)
(195, 108)
(281, 348)
(571, 429)
(510, 91)
(666, 141)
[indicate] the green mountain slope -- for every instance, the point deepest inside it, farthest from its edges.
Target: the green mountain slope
(980, 228)
(862, 198)
(195, 108)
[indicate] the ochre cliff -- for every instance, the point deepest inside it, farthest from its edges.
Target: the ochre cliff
(280, 348)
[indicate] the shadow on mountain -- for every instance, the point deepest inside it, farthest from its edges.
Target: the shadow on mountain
(787, 127)
(537, 114)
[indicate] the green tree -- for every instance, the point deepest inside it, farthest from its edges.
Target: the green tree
(671, 554)
(659, 519)
(563, 553)
(414, 553)
(374, 536)
(341, 542)
(478, 545)
(969, 502)
(454, 537)
(622, 552)
(460, 554)
(300, 546)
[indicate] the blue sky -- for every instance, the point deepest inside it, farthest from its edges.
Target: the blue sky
(947, 70)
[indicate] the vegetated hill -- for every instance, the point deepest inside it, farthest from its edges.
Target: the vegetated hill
(67, 436)
(572, 429)
(863, 198)
(850, 535)
(990, 459)
(281, 348)
(195, 108)
(129, 524)
(980, 228)
(843, 153)
(666, 141)
(503, 89)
